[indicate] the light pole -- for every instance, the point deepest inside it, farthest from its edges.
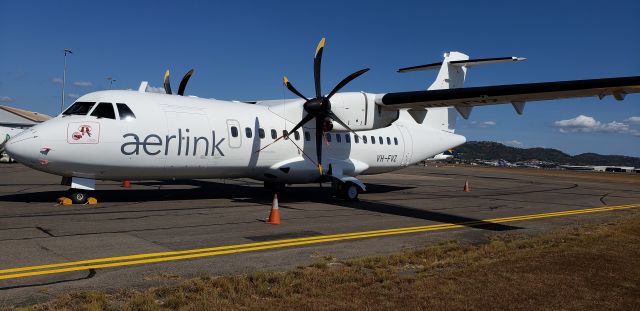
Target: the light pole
(111, 80)
(64, 76)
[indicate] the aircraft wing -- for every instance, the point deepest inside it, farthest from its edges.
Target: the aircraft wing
(463, 99)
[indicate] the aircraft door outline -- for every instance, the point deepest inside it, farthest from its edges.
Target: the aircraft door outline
(234, 142)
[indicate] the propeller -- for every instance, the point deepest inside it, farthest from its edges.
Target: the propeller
(319, 107)
(183, 82)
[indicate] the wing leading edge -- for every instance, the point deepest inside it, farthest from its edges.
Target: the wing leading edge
(463, 99)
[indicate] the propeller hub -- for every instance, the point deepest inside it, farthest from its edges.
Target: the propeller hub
(317, 106)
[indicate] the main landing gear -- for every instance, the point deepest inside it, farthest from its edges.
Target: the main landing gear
(343, 189)
(346, 190)
(79, 191)
(349, 191)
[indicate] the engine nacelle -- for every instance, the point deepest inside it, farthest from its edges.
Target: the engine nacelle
(359, 111)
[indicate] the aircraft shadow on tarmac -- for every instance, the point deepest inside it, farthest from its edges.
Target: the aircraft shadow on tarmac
(204, 189)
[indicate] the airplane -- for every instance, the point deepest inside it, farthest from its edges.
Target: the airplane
(11, 126)
(443, 156)
(327, 137)
(5, 134)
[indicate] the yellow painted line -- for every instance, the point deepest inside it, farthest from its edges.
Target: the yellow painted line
(137, 259)
(147, 255)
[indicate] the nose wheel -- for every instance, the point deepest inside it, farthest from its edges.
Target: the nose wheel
(79, 191)
(77, 196)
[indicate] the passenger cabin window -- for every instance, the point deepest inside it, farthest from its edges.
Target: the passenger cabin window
(395, 140)
(234, 131)
(338, 138)
(248, 132)
(285, 133)
(104, 110)
(347, 138)
(380, 140)
(79, 109)
(125, 113)
(296, 135)
(356, 139)
(388, 140)
(364, 139)
(307, 136)
(373, 140)
(328, 137)
(274, 134)
(261, 133)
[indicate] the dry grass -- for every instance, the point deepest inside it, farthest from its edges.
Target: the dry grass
(595, 267)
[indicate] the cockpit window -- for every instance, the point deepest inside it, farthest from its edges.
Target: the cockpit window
(104, 110)
(78, 108)
(125, 113)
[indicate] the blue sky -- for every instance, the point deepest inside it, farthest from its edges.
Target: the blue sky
(241, 50)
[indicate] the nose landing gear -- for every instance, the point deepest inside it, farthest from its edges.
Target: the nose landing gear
(77, 196)
(79, 191)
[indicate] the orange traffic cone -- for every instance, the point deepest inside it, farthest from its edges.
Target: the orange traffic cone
(126, 184)
(466, 186)
(274, 217)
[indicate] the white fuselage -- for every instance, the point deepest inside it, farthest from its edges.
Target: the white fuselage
(175, 137)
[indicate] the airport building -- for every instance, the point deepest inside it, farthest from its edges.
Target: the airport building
(15, 117)
(12, 121)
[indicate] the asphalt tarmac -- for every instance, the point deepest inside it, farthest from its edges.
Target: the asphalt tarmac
(156, 233)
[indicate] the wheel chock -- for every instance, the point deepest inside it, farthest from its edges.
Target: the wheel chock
(64, 201)
(92, 201)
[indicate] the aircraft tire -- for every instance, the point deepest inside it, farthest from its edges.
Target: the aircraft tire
(350, 191)
(77, 196)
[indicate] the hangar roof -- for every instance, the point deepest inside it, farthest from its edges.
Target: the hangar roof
(17, 116)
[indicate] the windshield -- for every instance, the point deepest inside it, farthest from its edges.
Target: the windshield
(104, 110)
(125, 113)
(79, 108)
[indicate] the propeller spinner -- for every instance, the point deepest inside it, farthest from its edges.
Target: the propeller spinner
(319, 107)
(183, 82)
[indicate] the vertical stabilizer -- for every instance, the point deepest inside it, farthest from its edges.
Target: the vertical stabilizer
(450, 76)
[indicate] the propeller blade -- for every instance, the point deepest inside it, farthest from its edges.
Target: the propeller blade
(319, 135)
(335, 118)
(167, 84)
(347, 80)
(317, 60)
(306, 119)
(292, 89)
(183, 83)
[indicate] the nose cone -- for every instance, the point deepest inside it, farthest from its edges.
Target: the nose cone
(23, 148)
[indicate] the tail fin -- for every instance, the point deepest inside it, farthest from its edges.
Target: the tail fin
(450, 76)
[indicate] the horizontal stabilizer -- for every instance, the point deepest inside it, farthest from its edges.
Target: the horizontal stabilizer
(486, 61)
(460, 63)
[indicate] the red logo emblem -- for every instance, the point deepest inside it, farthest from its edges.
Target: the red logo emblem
(84, 129)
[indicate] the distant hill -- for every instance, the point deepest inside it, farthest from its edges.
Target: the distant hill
(488, 150)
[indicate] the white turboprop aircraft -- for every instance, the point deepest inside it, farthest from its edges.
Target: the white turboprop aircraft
(443, 156)
(123, 135)
(6, 133)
